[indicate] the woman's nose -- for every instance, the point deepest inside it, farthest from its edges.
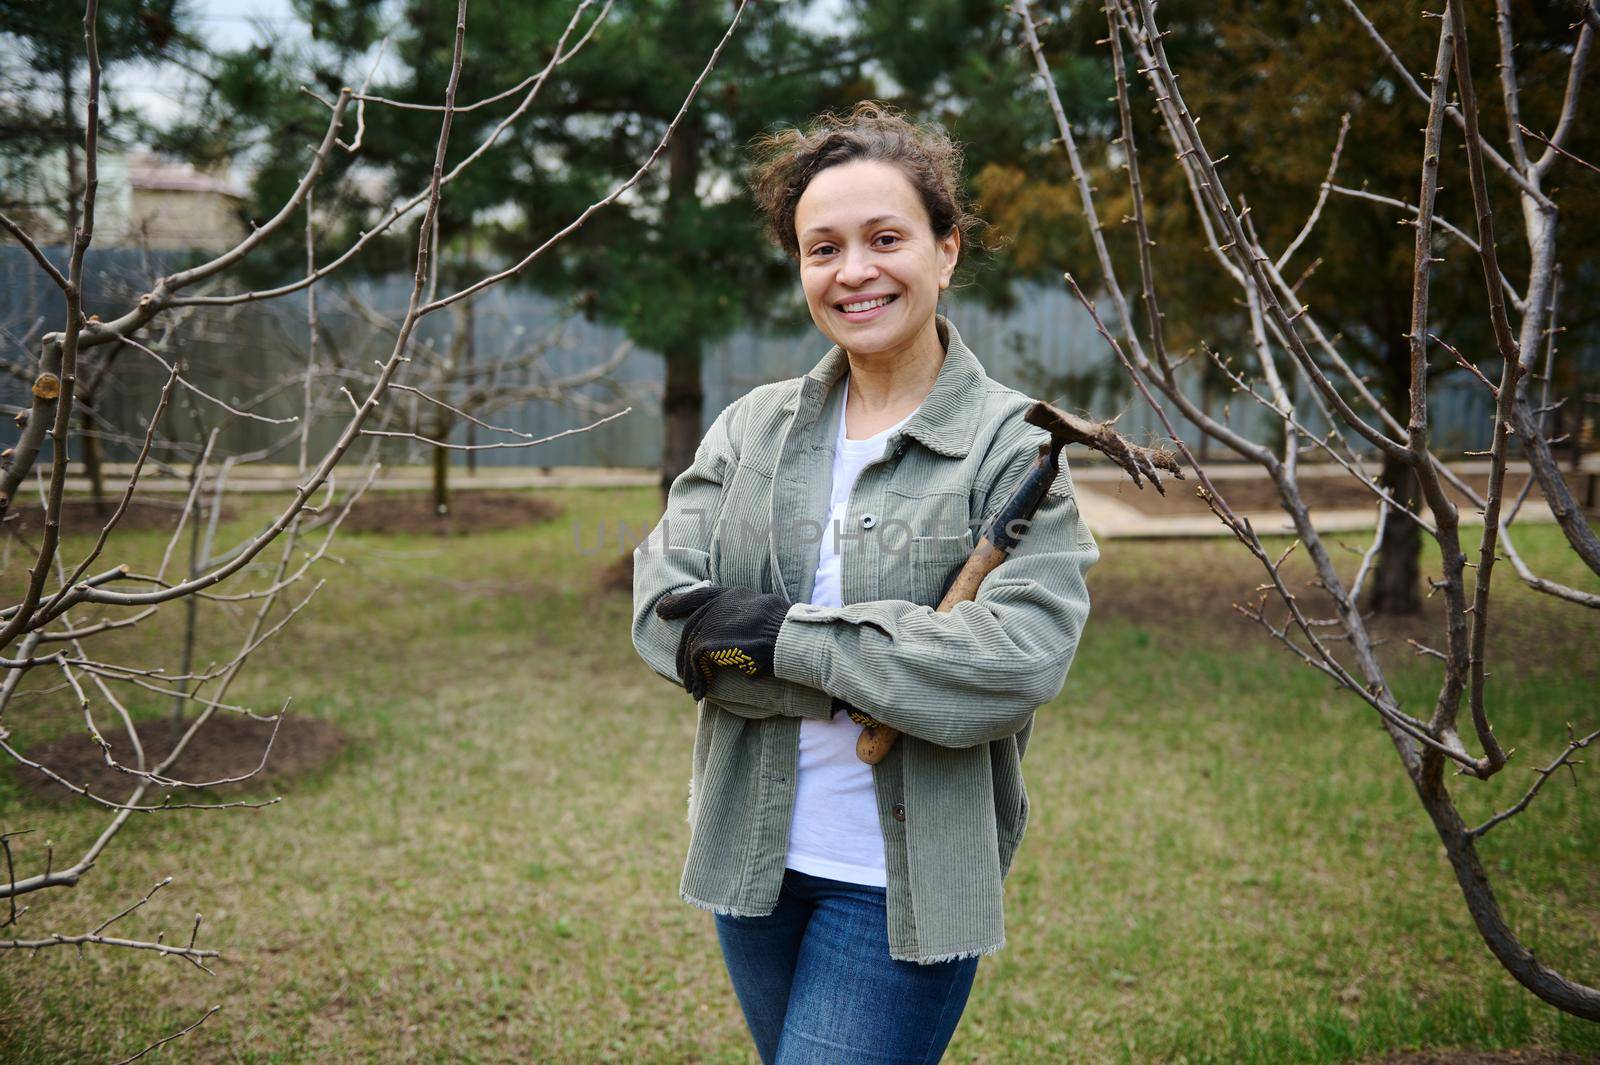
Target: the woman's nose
(857, 267)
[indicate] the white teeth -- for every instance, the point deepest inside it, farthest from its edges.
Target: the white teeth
(867, 305)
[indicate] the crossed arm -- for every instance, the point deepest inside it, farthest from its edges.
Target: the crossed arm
(956, 679)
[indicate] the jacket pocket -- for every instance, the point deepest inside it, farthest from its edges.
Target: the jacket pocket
(741, 530)
(941, 550)
(935, 561)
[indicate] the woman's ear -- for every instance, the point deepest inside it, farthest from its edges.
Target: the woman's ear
(949, 253)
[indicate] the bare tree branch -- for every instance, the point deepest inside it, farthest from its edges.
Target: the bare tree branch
(175, 1035)
(1322, 195)
(32, 249)
(1565, 758)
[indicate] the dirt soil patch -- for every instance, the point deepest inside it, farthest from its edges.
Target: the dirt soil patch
(1189, 587)
(229, 745)
(1162, 581)
(617, 575)
(1532, 1056)
(1195, 584)
(469, 512)
(80, 516)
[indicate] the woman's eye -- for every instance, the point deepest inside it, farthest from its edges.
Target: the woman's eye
(825, 249)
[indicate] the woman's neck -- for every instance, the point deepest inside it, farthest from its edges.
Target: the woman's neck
(886, 386)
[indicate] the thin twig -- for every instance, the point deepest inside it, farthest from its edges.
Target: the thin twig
(170, 1038)
(1564, 758)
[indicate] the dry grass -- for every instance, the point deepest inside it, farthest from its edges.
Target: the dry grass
(1224, 862)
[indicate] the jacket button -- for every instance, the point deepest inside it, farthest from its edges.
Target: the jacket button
(868, 520)
(899, 811)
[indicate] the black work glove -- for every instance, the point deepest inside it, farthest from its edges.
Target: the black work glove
(734, 628)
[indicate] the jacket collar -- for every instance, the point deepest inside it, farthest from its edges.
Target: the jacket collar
(947, 421)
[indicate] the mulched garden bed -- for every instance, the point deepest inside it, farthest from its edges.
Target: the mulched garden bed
(228, 745)
(469, 512)
(79, 516)
(617, 576)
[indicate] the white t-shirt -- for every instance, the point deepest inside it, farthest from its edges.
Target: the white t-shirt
(835, 831)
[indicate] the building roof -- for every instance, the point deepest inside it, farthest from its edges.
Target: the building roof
(147, 171)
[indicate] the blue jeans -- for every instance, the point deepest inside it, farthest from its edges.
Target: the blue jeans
(817, 985)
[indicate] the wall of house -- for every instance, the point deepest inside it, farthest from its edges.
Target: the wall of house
(175, 220)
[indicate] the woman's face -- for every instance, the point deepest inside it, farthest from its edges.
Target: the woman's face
(865, 237)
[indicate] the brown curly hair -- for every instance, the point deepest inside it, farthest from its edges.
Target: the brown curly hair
(787, 160)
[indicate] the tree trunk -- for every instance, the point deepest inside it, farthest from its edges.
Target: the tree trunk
(441, 464)
(441, 478)
(93, 457)
(1397, 575)
(1564, 994)
(92, 466)
(469, 352)
(191, 616)
(683, 399)
(1395, 580)
(681, 406)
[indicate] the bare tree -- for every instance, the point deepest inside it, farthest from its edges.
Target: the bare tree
(1295, 370)
(454, 389)
(56, 593)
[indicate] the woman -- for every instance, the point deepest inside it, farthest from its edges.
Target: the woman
(853, 901)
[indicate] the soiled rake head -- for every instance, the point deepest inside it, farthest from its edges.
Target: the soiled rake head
(1139, 462)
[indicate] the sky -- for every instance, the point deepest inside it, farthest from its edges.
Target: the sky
(230, 24)
(227, 25)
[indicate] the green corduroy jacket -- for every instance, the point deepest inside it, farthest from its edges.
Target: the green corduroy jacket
(961, 686)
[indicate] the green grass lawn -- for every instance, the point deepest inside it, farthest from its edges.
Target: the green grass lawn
(1225, 862)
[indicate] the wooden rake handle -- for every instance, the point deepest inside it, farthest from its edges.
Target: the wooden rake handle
(877, 739)
(999, 538)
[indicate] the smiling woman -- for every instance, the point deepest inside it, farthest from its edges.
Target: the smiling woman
(872, 278)
(870, 206)
(795, 574)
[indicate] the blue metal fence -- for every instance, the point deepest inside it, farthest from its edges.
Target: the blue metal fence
(238, 352)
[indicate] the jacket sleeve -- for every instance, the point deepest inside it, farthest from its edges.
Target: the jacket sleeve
(676, 556)
(978, 672)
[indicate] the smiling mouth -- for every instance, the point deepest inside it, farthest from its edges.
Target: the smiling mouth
(862, 308)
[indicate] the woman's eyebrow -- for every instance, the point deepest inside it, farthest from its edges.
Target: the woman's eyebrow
(874, 220)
